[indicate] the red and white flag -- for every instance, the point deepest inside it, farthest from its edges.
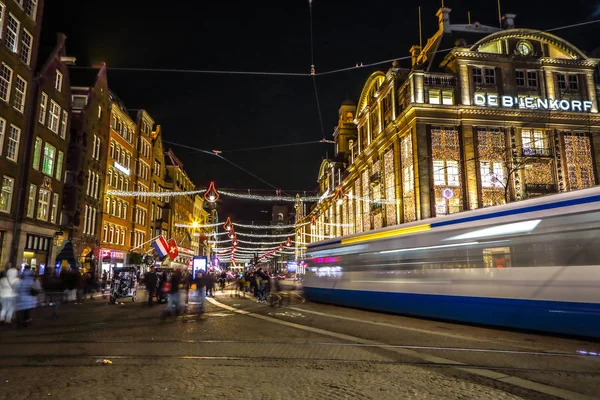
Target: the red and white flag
(173, 249)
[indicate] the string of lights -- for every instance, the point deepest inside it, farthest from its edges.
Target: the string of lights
(274, 235)
(199, 226)
(269, 198)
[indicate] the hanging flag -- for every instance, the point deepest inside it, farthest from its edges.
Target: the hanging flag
(161, 246)
(173, 249)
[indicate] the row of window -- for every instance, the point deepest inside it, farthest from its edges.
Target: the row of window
(13, 31)
(122, 129)
(117, 180)
(114, 234)
(146, 148)
(43, 204)
(52, 162)
(120, 155)
(524, 78)
(93, 184)
(156, 212)
(89, 220)
(140, 215)
(6, 85)
(143, 170)
(12, 145)
(118, 209)
(139, 238)
(96, 148)
(54, 121)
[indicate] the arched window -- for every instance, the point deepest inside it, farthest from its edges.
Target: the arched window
(119, 209)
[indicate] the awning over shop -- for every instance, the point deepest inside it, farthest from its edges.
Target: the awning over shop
(66, 253)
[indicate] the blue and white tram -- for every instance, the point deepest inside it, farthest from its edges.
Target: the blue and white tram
(533, 264)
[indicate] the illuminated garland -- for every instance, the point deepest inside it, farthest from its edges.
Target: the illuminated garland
(269, 198)
(277, 235)
(197, 226)
(369, 200)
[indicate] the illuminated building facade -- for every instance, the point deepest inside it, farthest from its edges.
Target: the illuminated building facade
(86, 163)
(506, 114)
(160, 208)
(20, 26)
(143, 175)
(182, 207)
(44, 162)
(118, 210)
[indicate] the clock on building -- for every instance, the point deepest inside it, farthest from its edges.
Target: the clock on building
(524, 48)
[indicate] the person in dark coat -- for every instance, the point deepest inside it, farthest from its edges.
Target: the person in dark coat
(151, 282)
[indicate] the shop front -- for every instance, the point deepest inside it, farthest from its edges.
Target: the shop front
(36, 252)
(110, 259)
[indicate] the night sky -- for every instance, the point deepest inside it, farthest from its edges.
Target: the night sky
(228, 112)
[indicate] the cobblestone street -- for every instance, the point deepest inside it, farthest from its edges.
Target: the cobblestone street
(241, 349)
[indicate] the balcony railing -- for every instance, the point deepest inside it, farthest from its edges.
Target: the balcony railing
(536, 152)
(540, 188)
(439, 80)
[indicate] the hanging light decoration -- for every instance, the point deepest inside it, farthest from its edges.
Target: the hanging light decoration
(280, 247)
(339, 196)
(231, 233)
(234, 241)
(288, 242)
(228, 225)
(211, 194)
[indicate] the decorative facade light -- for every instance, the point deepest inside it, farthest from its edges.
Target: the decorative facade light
(288, 242)
(231, 233)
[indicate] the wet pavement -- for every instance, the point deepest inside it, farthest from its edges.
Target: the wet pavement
(243, 349)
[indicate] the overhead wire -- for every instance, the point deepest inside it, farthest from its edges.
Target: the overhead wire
(299, 74)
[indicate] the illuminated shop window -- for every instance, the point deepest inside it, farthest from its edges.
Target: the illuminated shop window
(492, 154)
(390, 187)
(446, 172)
(579, 161)
(366, 205)
(408, 179)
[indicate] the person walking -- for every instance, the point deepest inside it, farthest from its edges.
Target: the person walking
(9, 282)
(27, 293)
(174, 295)
(202, 282)
(151, 282)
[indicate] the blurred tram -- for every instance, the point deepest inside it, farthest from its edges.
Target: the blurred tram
(532, 264)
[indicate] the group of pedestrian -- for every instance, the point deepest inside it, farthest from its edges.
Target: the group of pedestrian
(18, 295)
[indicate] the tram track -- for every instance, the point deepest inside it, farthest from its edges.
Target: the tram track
(40, 361)
(590, 355)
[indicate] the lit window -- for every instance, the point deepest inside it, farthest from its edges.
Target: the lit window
(105, 233)
(58, 81)
(6, 193)
(2, 130)
(59, 165)
(439, 177)
(79, 101)
(6, 74)
(48, 162)
(12, 33)
(12, 150)
(54, 209)
(447, 97)
(63, 124)
(54, 119)
(20, 90)
(31, 201)
(26, 43)
(43, 204)
(37, 150)
(43, 108)
(520, 76)
(434, 96)
(452, 172)
(2, 16)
